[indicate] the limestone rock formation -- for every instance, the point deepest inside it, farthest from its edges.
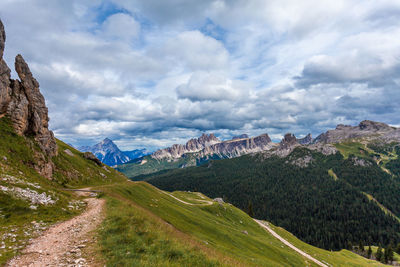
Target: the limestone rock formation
(207, 146)
(288, 140)
(191, 146)
(237, 147)
(2, 39)
(23, 103)
(366, 129)
(305, 140)
(5, 74)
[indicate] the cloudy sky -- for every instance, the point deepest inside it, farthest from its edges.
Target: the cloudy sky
(149, 73)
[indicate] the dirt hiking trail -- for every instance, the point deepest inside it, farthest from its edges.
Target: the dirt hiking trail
(284, 241)
(62, 244)
(266, 227)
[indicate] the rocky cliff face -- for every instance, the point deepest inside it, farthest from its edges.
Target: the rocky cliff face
(305, 140)
(209, 145)
(23, 103)
(192, 146)
(238, 146)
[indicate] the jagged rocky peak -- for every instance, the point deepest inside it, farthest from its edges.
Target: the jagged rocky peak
(22, 101)
(305, 140)
(193, 145)
(107, 142)
(288, 140)
(107, 152)
(207, 140)
(28, 110)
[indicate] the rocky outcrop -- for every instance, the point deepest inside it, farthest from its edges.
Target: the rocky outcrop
(23, 103)
(207, 146)
(5, 74)
(367, 128)
(90, 156)
(2, 39)
(237, 147)
(288, 141)
(360, 162)
(305, 140)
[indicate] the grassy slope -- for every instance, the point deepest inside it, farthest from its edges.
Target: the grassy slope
(350, 147)
(19, 220)
(339, 258)
(75, 171)
(217, 231)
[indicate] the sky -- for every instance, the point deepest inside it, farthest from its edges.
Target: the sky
(150, 73)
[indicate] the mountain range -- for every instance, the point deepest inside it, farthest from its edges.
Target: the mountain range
(62, 207)
(340, 188)
(208, 147)
(196, 151)
(109, 153)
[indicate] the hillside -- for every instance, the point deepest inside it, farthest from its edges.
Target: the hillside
(29, 202)
(326, 195)
(141, 218)
(35, 167)
(142, 225)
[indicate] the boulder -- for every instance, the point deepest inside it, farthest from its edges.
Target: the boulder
(90, 156)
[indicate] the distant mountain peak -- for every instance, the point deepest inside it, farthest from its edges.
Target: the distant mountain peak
(107, 140)
(109, 153)
(305, 140)
(288, 140)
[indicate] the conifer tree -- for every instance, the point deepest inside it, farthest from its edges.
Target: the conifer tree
(389, 253)
(369, 252)
(361, 246)
(349, 246)
(379, 254)
(250, 209)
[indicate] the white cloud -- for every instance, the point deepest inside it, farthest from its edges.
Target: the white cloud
(156, 72)
(211, 86)
(197, 51)
(121, 26)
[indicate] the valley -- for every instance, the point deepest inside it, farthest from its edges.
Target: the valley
(332, 200)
